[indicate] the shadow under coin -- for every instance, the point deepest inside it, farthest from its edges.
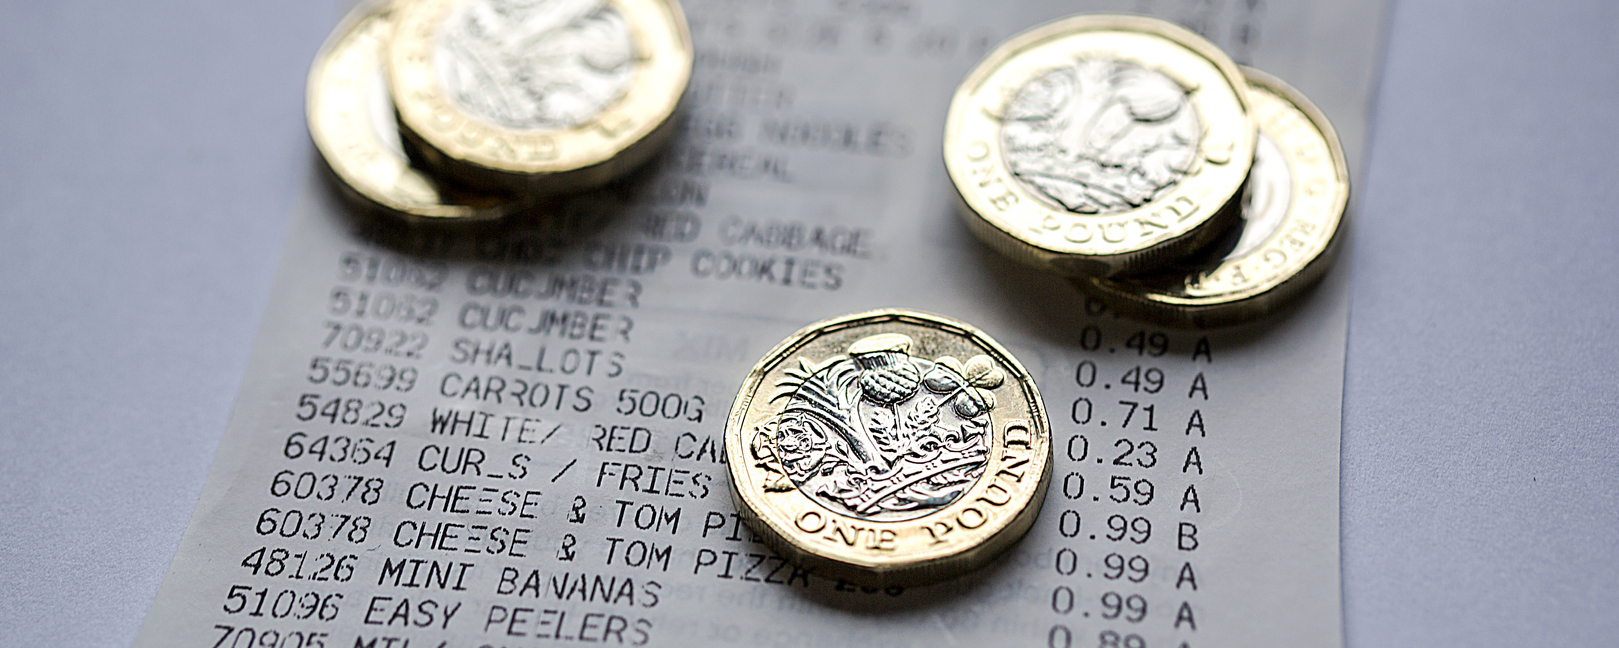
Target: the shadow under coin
(544, 232)
(992, 582)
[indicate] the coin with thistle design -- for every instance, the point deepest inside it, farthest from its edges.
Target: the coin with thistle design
(1100, 145)
(889, 447)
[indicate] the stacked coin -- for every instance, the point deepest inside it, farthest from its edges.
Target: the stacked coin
(464, 110)
(1138, 159)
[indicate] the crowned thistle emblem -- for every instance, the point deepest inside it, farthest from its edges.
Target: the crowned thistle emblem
(879, 433)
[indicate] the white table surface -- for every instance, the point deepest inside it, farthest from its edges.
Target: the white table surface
(150, 154)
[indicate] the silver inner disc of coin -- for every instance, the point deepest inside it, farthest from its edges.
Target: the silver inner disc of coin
(1100, 136)
(1269, 195)
(535, 64)
(883, 435)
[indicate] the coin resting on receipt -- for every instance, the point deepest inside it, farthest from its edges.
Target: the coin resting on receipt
(889, 447)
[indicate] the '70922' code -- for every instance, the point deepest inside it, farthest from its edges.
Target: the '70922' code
(354, 338)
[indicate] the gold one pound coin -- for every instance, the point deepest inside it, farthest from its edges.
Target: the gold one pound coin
(1292, 213)
(889, 447)
(351, 119)
(538, 97)
(1100, 144)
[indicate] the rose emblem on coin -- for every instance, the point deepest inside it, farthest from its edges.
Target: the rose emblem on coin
(529, 64)
(1101, 137)
(1101, 145)
(537, 97)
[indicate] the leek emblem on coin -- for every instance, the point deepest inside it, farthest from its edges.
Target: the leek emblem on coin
(889, 447)
(1292, 213)
(539, 96)
(1100, 144)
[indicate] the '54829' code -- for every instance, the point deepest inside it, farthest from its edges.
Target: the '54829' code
(350, 411)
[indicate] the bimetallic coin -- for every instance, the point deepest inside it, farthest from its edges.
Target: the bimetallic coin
(1292, 214)
(1100, 144)
(889, 447)
(351, 119)
(538, 96)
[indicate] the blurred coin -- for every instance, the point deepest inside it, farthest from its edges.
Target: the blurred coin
(889, 447)
(1292, 214)
(1100, 144)
(538, 96)
(351, 119)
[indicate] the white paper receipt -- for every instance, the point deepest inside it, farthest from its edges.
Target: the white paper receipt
(512, 438)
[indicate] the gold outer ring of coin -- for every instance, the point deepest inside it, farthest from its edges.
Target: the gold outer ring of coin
(1258, 277)
(888, 547)
(1034, 229)
(350, 113)
(482, 154)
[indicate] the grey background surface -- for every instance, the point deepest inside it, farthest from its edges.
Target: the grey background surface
(151, 154)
